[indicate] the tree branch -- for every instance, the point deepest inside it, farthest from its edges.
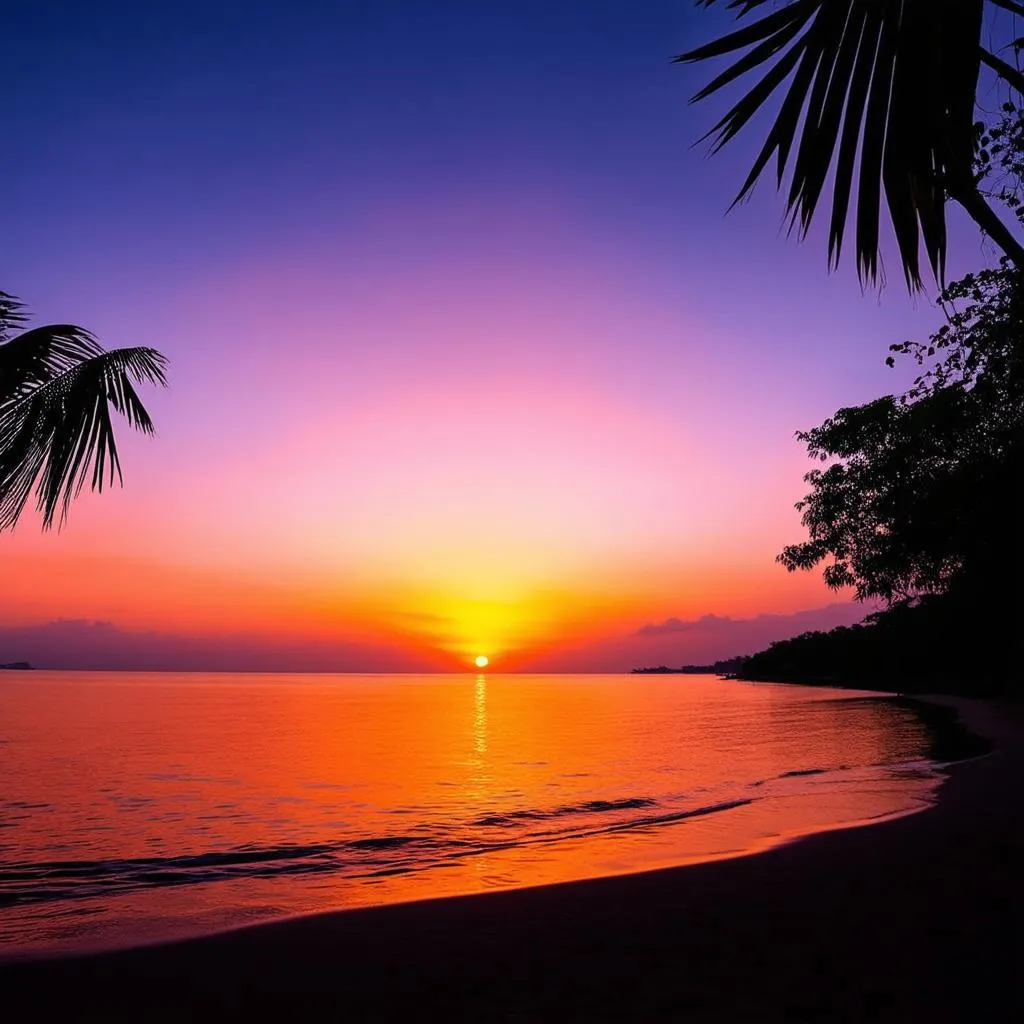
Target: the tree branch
(986, 218)
(1005, 71)
(1008, 5)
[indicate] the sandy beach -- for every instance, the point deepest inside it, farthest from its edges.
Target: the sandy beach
(917, 919)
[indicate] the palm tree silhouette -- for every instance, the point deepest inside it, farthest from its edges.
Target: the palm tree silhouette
(57, 387)
(883, 90)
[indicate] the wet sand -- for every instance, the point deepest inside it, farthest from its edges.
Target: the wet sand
(917, 919)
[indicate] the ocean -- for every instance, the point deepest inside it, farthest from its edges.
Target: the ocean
(142, 807)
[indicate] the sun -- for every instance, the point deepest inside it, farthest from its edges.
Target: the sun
(481, 661)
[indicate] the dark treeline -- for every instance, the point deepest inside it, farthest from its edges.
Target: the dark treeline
(938, 645)
(726, 667)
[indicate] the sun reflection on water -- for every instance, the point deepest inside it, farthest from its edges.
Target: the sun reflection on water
(480, 716)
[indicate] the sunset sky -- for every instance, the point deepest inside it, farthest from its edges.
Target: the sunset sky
(465, 355)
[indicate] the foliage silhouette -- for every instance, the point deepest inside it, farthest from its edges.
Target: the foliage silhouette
(57, 388)
(936, 644)
(879, 90)
(920, 505)
(922, 492)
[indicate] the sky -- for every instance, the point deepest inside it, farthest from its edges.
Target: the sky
(466, 356)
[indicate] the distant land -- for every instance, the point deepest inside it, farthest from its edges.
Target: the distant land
(951, 643)
(729, 666)
(20, 666)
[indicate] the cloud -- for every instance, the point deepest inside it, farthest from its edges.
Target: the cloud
(676, 641)
(428, 618)
(102, 646)
(674, 625)
(816, 618)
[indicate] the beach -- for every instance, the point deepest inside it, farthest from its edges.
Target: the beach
(917, 918)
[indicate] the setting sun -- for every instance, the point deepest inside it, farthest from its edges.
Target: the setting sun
(481, 661)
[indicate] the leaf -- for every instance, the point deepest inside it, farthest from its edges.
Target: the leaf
(56, 430)
(883, 91)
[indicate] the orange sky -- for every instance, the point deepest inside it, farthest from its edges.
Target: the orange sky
(460, 561)
(481, 375)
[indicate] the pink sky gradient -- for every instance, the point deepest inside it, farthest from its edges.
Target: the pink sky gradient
(465, 357)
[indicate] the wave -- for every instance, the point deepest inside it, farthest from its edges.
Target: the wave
(590, 807)
(367, 857)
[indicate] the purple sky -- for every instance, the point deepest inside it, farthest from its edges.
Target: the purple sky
(460, 333)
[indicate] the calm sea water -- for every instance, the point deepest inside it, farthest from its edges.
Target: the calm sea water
(139, 807)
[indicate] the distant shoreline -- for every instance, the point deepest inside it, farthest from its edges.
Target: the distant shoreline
(729, 668)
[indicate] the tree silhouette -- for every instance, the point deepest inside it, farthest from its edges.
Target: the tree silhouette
(57, 388)
(920, 506)
(879, 90)
(921, 494)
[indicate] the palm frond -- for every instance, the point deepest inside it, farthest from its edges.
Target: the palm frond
(878, 90)
(56, 433)
(12, 315)
(35, 356)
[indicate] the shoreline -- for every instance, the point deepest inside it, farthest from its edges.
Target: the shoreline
(945, 739)
(913, 918)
